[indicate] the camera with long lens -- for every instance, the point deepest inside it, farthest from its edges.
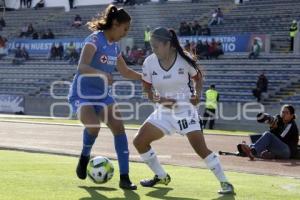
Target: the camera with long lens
(265, 118)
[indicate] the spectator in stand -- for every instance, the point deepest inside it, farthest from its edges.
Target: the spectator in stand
(22, 2)
(30, 30)
(3, 49)
(29, 2)
(129, 2)
(214, 18)
(255, 50)
(40, 4)
(206, 30)
(43, 35)
(181, 29)
(187, 46)
(200, 50)
(24, 30)
(197, 29)
(211, 48)
(77, 21)
(261, 87)
(126, 55)
(189, 30)
(71, 53)
(133, 57)
(50, 34)
(53, 52)
(35, 35)
(220, 16)
(219, 49)
(2, 23)
(18, 58)
(185, 29)
(215, 49)
(60, 50)
(71, 3)
(206, 49)
(25, 53)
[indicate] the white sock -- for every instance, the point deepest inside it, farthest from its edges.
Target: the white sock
(151, 160)
(213, 163)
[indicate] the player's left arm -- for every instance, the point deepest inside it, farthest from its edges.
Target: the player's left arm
(125, 71)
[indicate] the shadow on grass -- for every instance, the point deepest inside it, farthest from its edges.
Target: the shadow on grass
(162, 192)
(226, 197)
(95, 194)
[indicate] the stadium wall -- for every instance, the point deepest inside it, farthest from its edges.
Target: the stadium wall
(42, 107)
(15, 4)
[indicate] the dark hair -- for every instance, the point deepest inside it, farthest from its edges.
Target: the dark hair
(105, 20)
(165, 35)
(291, 109)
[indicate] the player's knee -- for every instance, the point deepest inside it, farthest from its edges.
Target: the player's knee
(93, 131)
(138, 142)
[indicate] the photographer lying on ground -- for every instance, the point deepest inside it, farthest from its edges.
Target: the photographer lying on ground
(280, 141)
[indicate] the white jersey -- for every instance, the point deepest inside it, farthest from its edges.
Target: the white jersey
(173, 83)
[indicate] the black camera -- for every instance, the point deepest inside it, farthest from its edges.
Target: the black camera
(265, 118)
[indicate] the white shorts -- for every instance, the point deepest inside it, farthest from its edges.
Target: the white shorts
(181, 122)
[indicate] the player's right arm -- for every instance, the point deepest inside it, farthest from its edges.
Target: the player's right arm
(86, 57)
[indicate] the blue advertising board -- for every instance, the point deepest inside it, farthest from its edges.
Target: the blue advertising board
(230, 43)
(43, 46)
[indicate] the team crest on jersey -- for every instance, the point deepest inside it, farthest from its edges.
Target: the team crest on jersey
(180, 71)
(154, 73)
(103, 59)
(167, 76)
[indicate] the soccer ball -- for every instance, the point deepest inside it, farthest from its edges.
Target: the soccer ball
(100, 169)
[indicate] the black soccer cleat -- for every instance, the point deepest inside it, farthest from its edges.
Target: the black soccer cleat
(155, 180)
(81, 166)
(125, 183)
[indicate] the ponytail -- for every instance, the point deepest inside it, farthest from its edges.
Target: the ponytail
(104, 21)
(182, 53)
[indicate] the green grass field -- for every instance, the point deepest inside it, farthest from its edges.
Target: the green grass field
(33, 176)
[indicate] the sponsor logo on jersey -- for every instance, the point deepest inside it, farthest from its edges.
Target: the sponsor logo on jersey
(180, 71)
(167, 76)
(144, 74)
(154, 73)
(109, 60)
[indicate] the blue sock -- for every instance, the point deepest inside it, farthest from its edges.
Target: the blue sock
(88, 141)
(121, 147)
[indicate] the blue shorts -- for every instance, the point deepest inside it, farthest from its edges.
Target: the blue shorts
(98, 104)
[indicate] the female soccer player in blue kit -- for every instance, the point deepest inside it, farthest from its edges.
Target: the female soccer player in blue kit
(89, 93)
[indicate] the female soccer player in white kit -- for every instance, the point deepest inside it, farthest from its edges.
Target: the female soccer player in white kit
(172, 79)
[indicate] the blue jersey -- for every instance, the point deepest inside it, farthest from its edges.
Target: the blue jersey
(105, 59)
